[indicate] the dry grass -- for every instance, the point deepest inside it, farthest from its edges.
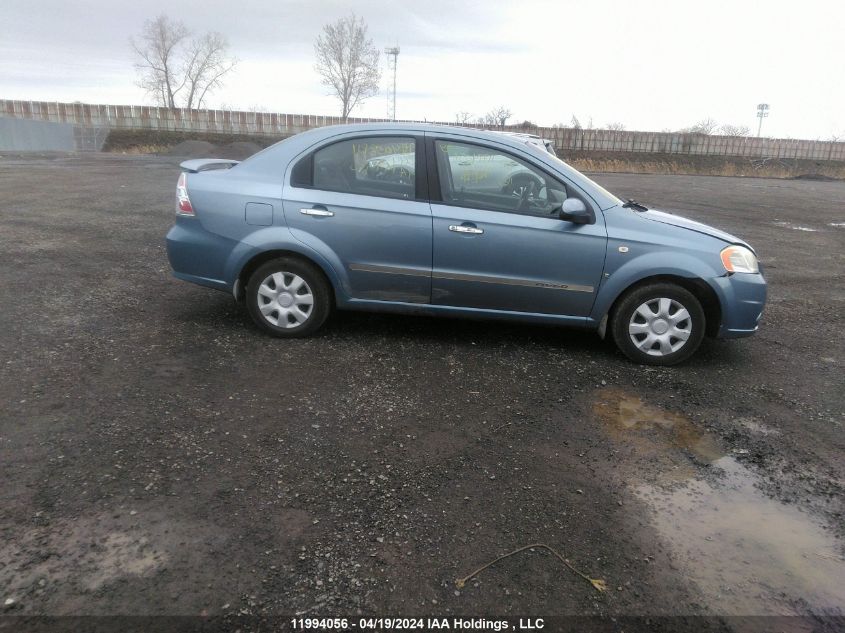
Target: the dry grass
(158, 141)
(143, 149)
(705, 166)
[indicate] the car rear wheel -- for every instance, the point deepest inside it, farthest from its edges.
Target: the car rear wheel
(658, 324)
(288, 298)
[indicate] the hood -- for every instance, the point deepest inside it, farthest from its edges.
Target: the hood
(692, 225)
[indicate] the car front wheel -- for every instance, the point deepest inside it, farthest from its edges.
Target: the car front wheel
(658, 324)
(288, 298)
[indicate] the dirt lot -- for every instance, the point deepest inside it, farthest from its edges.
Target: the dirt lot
(159, 455)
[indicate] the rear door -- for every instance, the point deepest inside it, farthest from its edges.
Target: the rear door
(364, 200)
(498, 241)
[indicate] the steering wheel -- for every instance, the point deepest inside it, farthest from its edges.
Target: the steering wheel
(523, 186)
(519, 184)
(375, 168)
(526, 196)
(400, 175)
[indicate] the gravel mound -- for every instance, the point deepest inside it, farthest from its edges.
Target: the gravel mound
(238, 150)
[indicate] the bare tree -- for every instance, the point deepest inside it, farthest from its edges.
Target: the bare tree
(615, 127)
(159, 63)
(497, 117)
(734, 130)
(348, 62)
(575, 123)
(176, 71)
(463, 118)
(208, 62)
(705, 126)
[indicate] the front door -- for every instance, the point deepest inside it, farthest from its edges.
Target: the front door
(357, 200)
(498, 243)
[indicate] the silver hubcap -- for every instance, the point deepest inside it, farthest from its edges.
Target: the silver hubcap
(660, 326)
(285, 300)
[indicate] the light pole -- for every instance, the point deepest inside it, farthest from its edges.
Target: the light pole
(392, 60)
(762, 112)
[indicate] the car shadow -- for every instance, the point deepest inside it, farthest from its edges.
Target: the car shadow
(379, 328)
(457, 330)
(719, 353)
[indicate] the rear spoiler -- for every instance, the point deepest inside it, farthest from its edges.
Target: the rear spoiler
(202, 164)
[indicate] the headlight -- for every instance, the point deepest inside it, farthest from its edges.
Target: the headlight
(738, 259)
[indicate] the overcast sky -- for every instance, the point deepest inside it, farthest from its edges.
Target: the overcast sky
(651, 65)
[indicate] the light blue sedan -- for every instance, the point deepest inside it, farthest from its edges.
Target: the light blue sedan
(440, 220)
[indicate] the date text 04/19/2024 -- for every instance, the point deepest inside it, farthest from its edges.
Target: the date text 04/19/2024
(416, 624)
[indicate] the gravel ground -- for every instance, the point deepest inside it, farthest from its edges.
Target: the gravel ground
(158, 455)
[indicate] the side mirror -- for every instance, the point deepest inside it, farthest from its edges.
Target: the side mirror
(575, 211)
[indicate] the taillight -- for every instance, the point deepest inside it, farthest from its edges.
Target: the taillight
(183, 202)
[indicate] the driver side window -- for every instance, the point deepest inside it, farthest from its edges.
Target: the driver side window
(479, 177)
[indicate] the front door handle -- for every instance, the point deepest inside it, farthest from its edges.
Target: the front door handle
(463, 228)
(319, 211)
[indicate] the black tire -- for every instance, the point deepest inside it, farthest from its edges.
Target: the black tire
(667, 348)
(289, 324)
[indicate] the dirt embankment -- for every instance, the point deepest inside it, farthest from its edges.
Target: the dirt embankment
(188, 144)
(240, 146)
(667, 164)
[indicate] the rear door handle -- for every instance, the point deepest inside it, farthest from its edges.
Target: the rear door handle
(461, 228)
(319, 211)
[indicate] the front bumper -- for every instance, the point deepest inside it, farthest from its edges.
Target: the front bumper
(742, 297)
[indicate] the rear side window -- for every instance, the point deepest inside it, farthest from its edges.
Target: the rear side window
(373, 166)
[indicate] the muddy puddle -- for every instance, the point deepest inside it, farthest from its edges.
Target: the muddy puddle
(748, 553)
(651, 429)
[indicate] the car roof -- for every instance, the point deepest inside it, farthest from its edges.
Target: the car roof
(298, 143)
(399, 126)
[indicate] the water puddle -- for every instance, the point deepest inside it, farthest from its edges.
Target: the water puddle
(650, 429)
(749, 554)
